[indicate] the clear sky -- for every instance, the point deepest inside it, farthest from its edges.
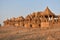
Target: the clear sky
(15, 8)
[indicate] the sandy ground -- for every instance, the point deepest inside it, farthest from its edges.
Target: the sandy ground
(18, 33)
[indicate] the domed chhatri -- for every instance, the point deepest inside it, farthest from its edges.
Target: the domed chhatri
(35, 20)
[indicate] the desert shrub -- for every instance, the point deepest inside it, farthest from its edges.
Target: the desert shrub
(0, 25)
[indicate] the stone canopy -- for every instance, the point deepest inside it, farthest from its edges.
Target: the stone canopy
(40, 19)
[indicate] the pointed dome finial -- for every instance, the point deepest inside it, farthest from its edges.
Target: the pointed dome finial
(47, 7)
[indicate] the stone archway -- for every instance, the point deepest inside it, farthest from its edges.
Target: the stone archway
(39, 25)
(31, 25)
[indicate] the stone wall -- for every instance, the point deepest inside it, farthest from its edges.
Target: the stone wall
(44, 24)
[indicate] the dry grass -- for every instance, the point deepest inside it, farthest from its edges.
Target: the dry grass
(17, 33)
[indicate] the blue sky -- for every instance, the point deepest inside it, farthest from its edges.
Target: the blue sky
(15, 8)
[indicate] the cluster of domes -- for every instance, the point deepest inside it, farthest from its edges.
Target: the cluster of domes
(36, 19)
